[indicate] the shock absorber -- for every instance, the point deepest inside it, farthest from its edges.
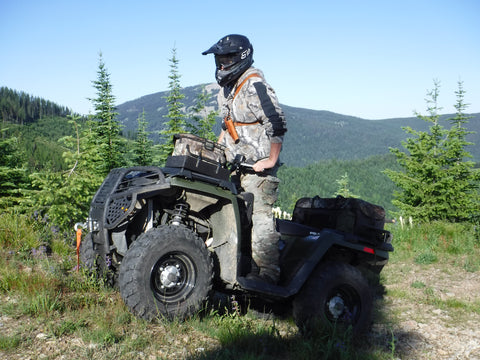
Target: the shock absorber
(179, 213)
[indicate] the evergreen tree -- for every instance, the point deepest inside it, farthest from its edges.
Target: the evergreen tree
(13, 173)
(176, 123)
(343, 187)
(463, 199)
(110, 144)
(142, 147)
(202, 123)
(436, 183)
(65, 196)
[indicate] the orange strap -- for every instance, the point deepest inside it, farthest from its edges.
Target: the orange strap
(79, 240)
(237, 90)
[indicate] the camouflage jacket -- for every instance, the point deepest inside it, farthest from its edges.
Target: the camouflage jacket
(256, 103)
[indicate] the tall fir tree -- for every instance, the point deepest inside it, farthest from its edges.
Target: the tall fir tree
(463, 199)
(176, 118)
(109, 142)
(436, 182)
(203, 122)
(94, 150)
(65, 196)
(142, 146)
(13, 172)
(344, 187)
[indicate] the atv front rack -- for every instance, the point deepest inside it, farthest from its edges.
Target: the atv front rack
(116, 198)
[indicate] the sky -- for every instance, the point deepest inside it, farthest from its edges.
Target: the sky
(370, 59)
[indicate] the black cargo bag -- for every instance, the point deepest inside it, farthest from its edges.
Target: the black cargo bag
(350, 215)
(192, 145)
(199, 155)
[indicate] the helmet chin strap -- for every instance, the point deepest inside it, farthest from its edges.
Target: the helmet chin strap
(225, 77)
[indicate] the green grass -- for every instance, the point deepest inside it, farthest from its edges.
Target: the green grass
(18, 234)
(418, 285)
(9, 342)
(437, 237)
(46, 294)
(427, 257)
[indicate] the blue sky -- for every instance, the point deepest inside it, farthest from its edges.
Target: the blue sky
(372, 59)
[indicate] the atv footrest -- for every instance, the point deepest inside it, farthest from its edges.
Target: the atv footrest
(264, 287)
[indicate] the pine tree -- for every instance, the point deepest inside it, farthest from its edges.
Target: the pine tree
(176, 123)
(65, 196)
(110, 144)
(343, 187)
(202, 123)
(462, 199)
(436, 182)
(13, 173)
(142, 147)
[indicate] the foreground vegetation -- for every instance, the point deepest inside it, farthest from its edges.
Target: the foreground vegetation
(41, 290)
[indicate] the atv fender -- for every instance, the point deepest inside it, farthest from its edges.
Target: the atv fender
(116, 198)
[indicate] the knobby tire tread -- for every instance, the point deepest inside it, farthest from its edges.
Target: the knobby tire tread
(134, 275)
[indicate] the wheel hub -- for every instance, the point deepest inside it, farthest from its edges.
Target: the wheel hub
(336, 306)
(170, 276)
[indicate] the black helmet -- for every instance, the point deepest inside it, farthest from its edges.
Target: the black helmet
(233, 55)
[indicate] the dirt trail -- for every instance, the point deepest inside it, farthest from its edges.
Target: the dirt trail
(437, 318)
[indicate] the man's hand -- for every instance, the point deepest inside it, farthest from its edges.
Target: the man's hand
(269, 163)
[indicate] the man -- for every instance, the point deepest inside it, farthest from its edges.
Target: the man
(254, 125)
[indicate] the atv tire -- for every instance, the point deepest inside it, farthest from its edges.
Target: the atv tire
(88, 256)
(167, 272)
(95, 264)
(336, 296)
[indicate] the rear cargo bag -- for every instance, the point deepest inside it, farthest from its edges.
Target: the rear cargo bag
(349, 215)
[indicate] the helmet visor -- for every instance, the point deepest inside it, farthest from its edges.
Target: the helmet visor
(224, 62)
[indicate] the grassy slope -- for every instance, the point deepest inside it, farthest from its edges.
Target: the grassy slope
(48, 308)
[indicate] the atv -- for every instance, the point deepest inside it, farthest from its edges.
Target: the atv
(171, 237)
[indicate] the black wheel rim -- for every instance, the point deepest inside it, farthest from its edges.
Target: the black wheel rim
(343, 305)
(173, 277)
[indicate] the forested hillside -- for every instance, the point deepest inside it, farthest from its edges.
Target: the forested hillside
(37, 125)
(320, 147)
(312, 135)
(365, 179)
(22, 108)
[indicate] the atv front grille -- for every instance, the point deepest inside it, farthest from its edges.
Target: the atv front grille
(117, 208)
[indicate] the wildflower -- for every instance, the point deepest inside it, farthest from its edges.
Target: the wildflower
(235, 306)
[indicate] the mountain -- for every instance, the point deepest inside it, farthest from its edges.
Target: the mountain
(312, 135)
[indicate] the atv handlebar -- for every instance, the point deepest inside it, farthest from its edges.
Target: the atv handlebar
(244, 165)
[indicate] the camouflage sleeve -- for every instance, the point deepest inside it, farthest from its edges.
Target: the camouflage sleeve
(271, 114)
(221, 101)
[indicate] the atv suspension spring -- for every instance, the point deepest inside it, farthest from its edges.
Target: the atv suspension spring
(179, 214)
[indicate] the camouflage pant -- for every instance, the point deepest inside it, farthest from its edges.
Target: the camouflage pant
(265, 238)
